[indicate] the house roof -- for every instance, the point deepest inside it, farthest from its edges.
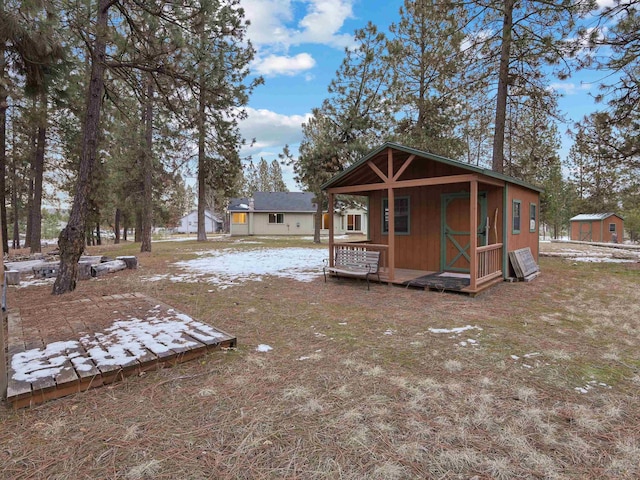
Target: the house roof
(586, 217)
(276, 202)
(336, 180)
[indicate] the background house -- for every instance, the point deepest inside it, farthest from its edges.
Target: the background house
(272, 213)
(346, 220)
(189, 223)
(597, 227)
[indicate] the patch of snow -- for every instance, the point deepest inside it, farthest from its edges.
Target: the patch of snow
(594, 259)
(263, 348)
(515, 357)
(304, 358)
(38, 282)
(230, 267)
(533, 354)
(389, 332)
(454, 330)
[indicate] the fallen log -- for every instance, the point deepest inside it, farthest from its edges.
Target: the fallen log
(107, 267)
(130, 260)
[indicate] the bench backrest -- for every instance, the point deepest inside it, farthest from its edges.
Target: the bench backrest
(366, 259)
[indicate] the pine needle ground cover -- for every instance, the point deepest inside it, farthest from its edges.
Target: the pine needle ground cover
(527, 380)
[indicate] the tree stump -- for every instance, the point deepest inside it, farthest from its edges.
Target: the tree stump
(12, 276)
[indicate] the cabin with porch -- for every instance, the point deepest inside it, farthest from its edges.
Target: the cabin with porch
(422, 209)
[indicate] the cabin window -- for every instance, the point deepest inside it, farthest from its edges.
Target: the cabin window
(239, 218)
(516, 216)
(354, 223)
(612, 227)
(276, 218)
(402, 211)
(533, 217)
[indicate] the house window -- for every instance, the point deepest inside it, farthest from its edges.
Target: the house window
(276, 218)
(239, 218)
(402, 211)
(325, 221)
(612, 227)
(354, 223)
(516, 216)
(533, 217)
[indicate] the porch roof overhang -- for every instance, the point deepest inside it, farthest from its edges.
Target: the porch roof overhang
(367, 175)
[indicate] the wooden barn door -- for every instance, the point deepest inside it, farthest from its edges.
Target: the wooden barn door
(584, 232)
(456, 239)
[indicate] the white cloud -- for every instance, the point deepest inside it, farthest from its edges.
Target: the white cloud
(605, 3)
(569, 88)
(273, 22)
(283, 65)
(271, 129)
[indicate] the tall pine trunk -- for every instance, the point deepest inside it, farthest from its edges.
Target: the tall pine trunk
(3, 152)
(147, 168)
(16, 207)
(318, 218)
(71, 240)
(497, 160)
(38, 174)
(202, 165)
(116, 227)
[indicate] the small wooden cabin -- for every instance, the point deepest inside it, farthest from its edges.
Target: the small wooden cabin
(597, 227)
(422, 210)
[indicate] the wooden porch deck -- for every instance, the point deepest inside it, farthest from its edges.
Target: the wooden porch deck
(67, 347)
(432, 280)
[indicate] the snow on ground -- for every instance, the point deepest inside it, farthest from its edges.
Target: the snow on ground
(123, 343)
(454, 330)
(230, 267)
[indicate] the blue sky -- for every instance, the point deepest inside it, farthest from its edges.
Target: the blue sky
(300, 45)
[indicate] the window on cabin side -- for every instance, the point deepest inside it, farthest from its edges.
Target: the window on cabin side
(516, 216)
(533, 217)
(402, 211)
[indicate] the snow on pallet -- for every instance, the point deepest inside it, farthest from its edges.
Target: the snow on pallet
(101, 340)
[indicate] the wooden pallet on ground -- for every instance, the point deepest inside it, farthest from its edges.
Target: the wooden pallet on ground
(102, 340)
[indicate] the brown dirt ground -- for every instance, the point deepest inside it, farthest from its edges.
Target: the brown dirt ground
(356, 385)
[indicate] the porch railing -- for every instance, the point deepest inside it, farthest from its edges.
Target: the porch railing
(365, 245)
(489, 261)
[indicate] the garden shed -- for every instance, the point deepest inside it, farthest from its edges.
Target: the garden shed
(597, 227)
(423, 209)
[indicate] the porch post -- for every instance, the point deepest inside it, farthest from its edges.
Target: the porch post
(391, 238)
(330, 197)
(473, 240)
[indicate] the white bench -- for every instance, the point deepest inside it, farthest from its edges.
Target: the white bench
(354, 263)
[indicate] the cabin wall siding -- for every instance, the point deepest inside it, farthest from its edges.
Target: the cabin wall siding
(525, 238)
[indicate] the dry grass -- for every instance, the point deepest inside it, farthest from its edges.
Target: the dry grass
(338, 398)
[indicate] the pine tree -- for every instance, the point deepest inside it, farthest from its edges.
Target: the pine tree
(264, 180)
(596, 164)
(275, 177)
(427, 69)
(517, 38)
